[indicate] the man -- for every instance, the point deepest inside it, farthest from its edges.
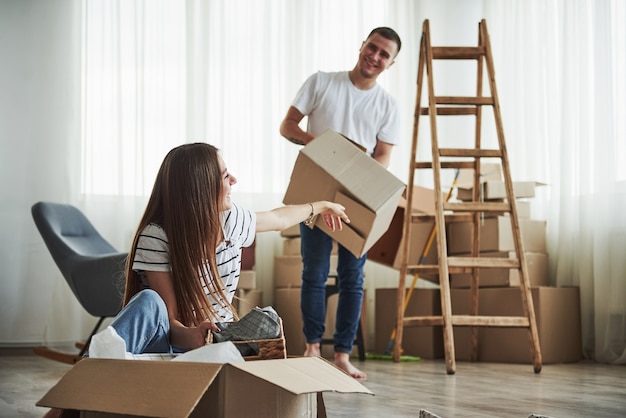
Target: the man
(352, 103)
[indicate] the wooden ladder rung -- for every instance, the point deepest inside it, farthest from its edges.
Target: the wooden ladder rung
(457, 52)
(468, 321)
(449, 218)
(484, 262)
(477, 206)
(470, 152)
(464, 100)
(451, 111)
(445, 164)
(434, 269)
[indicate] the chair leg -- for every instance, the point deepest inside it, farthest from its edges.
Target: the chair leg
(67, 357)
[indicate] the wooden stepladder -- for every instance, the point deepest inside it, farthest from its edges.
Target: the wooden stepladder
(440, 107)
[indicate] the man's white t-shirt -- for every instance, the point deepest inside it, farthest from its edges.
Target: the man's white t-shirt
(330, 100)
(239, 227)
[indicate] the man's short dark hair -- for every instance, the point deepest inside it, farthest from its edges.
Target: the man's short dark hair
(388, 33)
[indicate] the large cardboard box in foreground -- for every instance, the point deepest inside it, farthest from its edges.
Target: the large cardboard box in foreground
(140, 388)
(333, 168)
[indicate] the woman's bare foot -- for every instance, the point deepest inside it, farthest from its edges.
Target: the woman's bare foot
(342, 360)
(312, 350)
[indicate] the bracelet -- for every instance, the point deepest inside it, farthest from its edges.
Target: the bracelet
(308, 221)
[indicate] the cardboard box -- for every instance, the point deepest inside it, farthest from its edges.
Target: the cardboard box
(387, 250)
(536, 263)
(496, 235)
(287, 304)
(271, 388)
(292, 231)
(333, 168)
(557, 311)
(495, 190)
(248, 258)
(247, 280)
(288, 270)
(488, 172)
(246, 300)
(424, 342)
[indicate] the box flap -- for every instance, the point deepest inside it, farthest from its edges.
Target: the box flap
(144, 388)
(300, 375)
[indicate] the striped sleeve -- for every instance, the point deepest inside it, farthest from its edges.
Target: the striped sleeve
(152, 253)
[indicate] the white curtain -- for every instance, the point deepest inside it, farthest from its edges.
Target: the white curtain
(149, 75)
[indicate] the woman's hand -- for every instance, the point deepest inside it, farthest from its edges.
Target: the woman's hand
(191, 337)
(333, 214)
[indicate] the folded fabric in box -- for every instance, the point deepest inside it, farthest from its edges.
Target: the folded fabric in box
(258, 324)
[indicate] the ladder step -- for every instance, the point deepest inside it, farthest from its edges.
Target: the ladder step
(434, 269)
(484, 262)
(445, 164)
(457, 52)
(478, 206)
(450, 111)
(449, 217)
(470, 152)
(468, 321)
(464, 100)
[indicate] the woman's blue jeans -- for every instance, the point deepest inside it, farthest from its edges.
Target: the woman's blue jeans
(144, 324)
(315, 248)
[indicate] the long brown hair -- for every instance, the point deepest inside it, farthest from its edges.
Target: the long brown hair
(186, 201)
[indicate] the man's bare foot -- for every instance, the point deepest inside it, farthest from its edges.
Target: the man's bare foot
(342, 360)
(312, 350)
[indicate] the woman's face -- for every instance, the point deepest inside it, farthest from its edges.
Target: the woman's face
(228, 180)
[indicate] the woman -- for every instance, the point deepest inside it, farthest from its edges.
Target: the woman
(184, 265)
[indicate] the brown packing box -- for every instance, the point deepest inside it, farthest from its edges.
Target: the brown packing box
(387, 250)
(333, 168)
(288, 270)
(248, 257)
(292, 231)
(496, 235)
(425, 342)
(140, 388)
(287, 304)
(537, 266)
(557, 310)
(495, 190)
(246, 300)
(247, 280)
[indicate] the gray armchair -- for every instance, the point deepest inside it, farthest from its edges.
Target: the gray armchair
(92, 268)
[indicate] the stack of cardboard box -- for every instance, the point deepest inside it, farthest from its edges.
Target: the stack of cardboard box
(557, 309)
(496, 238)
(247, 295)
(287, 285)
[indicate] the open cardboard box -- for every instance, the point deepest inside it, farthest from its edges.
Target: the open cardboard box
(291, 387)
(387, 250)
(333, 168)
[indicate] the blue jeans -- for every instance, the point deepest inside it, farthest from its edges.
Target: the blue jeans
(315, 248)
(144, 324)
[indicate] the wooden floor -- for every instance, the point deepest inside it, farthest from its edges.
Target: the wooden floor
(401, 389)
